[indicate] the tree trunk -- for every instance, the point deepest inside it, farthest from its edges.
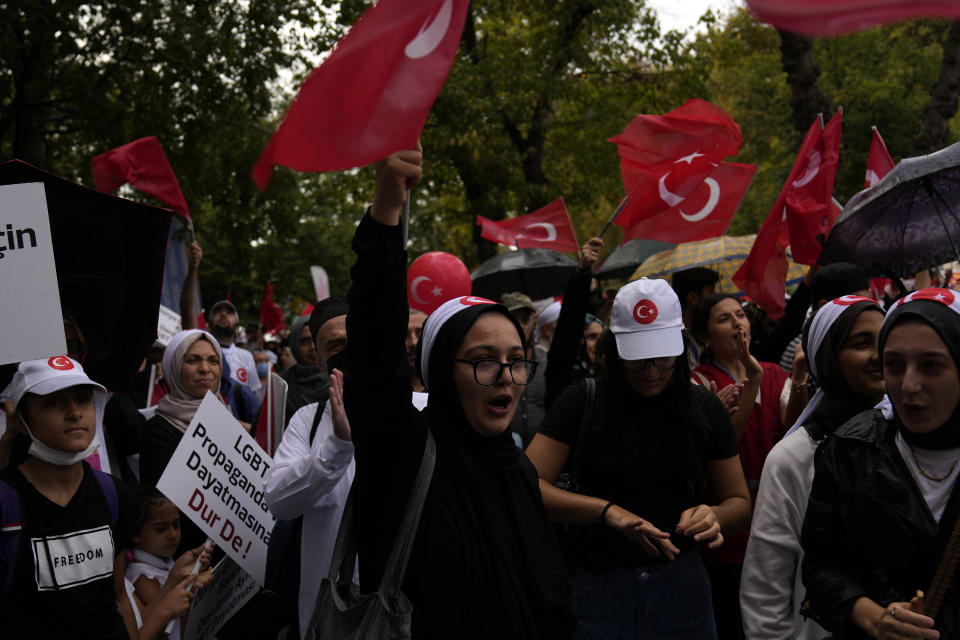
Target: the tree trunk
(934, 127)
(796, 52)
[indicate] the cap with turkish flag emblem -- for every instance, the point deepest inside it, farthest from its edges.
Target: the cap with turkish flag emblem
(647, 321)
(45, 376)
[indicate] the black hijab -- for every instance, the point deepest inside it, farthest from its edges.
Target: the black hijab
(945, 321)
(840, 401)
(306, 383)
(487, 512)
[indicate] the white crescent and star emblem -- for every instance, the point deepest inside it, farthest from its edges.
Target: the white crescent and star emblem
(813, 167)
(436, 291)
(872, 178)
(645, 311)
(474, 300)
(431, 34)
(60, 363)
(671, 199)
(707, 208)
(549, 228)
(242, 374)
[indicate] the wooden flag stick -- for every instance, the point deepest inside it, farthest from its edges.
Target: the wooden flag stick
(620, 207)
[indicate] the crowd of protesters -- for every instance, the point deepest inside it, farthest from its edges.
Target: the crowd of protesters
(660, 462)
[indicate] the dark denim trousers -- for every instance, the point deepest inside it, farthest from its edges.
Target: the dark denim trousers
(661, 602)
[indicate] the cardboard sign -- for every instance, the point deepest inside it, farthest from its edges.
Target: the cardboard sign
(30, 314)
(230, 589)
(168, 325)
(215, 477)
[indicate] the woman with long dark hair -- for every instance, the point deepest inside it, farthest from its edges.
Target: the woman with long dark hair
(841, 341)
(485, 563)
(652, 446)
(881, 522)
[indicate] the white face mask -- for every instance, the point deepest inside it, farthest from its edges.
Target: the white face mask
(58, 458)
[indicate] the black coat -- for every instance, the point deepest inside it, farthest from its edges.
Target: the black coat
(868, 530)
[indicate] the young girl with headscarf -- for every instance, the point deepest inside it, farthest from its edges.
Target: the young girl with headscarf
(884, 501)
(841, 341)
(485, 563)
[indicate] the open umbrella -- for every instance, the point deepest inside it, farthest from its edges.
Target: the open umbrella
(624, 260)
(109, 253)
(724, 255)
(539, 273)
(906, 222)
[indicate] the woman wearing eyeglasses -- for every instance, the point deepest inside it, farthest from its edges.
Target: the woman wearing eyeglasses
(650, 448)
(485, 562)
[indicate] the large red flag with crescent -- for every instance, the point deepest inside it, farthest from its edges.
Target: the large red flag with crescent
(371, 96)
(705, 213)
(763, 274)
(831, 18)
(143, 164)
(879, 163)
(548, 228)
(665, 158)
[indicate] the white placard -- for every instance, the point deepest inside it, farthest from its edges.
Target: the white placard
(168, 325)
(230, 589)
(321, 283)
(30, 314)
(215, 477)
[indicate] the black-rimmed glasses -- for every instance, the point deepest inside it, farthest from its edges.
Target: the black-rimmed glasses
(487, 372)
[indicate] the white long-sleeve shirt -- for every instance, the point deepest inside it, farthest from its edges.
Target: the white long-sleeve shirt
(771, 589)
(311, 481)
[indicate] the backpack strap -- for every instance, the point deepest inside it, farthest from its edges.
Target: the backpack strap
(590, 395)
(316, 420)
(110, 493)
(10, 524)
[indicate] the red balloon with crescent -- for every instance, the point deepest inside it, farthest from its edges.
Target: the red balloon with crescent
(434, 278)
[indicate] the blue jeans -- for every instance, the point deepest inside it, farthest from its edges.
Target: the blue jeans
(661, 602)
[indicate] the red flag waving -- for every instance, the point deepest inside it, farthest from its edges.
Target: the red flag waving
(880, 163)
(763, 274)
(830, 18)
(143, 164)
(705, 213)
(809, 200)
(371, 96)
(271, 316)
(547, 228)
(663, 159)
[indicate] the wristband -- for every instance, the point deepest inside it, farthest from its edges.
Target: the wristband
(603, 512)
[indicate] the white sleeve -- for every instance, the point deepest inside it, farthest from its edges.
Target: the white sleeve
(302, 476)
(771, 563)
(253, 380)
(785, 395)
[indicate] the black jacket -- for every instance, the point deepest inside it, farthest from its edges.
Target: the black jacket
(868, 531)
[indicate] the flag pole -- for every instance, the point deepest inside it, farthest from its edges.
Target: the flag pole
(406, 219)
(619, 208)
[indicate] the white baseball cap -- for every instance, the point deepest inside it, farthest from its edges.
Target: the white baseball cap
(647, 321)
(46, 376)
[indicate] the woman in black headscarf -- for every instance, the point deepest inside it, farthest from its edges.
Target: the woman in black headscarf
(306, 381)
(485, 563)
(884, 501)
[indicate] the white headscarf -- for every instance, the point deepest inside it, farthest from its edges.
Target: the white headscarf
(819, 327)
(433, 323)
(549, 315)
(178, 406)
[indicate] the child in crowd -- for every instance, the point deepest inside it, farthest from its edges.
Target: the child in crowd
(156, 536)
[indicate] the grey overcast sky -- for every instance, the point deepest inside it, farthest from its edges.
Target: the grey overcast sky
(682, 14)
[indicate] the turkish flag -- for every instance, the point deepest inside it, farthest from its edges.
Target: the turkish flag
(143, 164)
(831, 18)
(879, 163)
(664, 158)
(762, 276)
(705, 213)
(546, 228)
(371, 96)
(809, 200)
(271, 316)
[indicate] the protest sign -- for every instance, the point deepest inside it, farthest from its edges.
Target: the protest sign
(216, 477)
(230, 589)
(30, 314)
(168, 325)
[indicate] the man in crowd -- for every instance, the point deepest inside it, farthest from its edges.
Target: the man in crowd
(530, 410)
(692, 286)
